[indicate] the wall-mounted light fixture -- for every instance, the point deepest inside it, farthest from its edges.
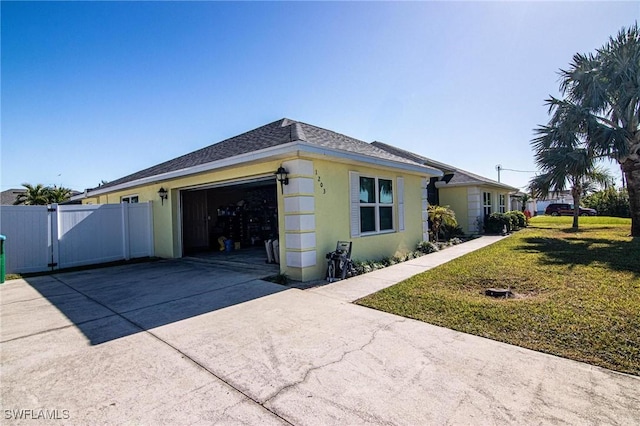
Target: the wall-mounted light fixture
(282, 177)
(163, 193)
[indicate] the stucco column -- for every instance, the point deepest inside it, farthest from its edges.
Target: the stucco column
(425, 206)
(474, 209)
(299, 220)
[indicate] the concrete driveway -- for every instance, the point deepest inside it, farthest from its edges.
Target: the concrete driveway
(179, 342)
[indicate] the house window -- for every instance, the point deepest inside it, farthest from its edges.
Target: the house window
(376, 205)
(129, 199)
(486, 203)
(502, 204)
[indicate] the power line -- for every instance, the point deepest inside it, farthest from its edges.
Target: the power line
(499, 168)
(520, 171)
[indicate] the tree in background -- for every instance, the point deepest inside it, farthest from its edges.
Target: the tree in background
(35, 195)
(39, 195)
(602, 104)
(564, 166)
(609, 202)
(524, 199)
(58, 194)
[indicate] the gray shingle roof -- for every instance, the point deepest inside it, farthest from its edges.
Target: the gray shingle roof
(460, 177)
(273, 134)
(446, 168)
(8, 197)
(331, 139)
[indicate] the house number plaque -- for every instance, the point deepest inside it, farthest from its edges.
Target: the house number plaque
(324, 190)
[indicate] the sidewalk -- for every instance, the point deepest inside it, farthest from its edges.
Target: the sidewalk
(360, 286)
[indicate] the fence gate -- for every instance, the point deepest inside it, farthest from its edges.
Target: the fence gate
(40, 238)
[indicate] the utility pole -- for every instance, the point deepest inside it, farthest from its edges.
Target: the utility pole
(498, 168)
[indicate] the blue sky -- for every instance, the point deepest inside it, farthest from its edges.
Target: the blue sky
(94, 91)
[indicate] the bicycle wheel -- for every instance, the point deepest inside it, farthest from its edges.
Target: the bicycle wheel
(331, 271)
(344, 268)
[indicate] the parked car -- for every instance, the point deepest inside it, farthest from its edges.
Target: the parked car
(565, 209)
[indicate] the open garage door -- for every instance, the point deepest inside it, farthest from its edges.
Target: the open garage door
(244, 213)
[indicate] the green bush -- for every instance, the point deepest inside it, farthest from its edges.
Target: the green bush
(448, 231)
(517, 218)
(496, 223)
(513, 221)
(427, 247)
(443, 245)
(359, 267)
(609, 202)
(413, 255)
(521, 218)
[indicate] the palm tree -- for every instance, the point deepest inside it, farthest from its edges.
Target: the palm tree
(599, 180)
(524, 199)
(58, 194)
(564, 166)
(602, 101)
(33, 196)
(440, 216)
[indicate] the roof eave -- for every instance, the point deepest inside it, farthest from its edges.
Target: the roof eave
(263, 154)
(320, 151)
(442, 185)
(200, 168)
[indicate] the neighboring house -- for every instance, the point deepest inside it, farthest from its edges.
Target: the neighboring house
(518, 204)
(74, 199)
(338, 188)
(9, 196)
(472, 197)
(516, 201)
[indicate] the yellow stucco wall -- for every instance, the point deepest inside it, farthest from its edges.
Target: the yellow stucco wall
(332, 211)
(457, 199)
(465, 200)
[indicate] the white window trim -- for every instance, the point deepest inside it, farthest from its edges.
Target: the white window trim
(129, 197)
(485, 204)
(502, 203)
(377, 206)
(400, 198)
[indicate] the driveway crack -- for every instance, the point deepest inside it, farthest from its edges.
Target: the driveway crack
(339, 360)
(185, 355)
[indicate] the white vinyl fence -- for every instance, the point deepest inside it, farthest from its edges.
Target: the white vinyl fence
(40, 238)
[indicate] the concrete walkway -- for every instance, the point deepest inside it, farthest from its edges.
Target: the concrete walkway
(362, 285)
(177, 342)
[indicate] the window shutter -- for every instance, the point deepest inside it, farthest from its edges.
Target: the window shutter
(400, 204)
(354, 181)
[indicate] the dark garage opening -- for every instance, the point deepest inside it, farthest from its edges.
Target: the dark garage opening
(244, 213)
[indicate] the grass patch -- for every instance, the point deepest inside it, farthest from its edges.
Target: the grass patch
(579, 292)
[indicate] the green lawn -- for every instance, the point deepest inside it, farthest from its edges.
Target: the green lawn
(578, 292)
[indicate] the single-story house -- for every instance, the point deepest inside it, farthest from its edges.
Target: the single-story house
(470, 196)
(8, 197)
(332, 187)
